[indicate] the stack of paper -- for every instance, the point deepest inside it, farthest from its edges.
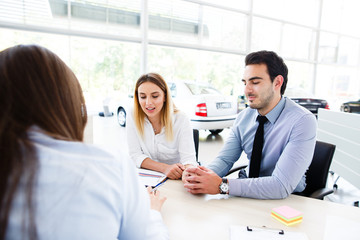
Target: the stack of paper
(287, 215)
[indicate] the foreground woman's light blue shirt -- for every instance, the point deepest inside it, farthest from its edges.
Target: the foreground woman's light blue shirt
(83, 192)
(289, 142)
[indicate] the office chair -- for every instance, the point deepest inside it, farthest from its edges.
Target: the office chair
(196, 143)
(235, 169)
(316, 175)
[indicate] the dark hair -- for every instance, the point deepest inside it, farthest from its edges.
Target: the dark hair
(36, 89)
(274, 63)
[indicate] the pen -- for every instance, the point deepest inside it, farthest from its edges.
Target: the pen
(159, 184)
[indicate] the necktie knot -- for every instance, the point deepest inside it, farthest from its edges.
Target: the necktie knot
(261, 119)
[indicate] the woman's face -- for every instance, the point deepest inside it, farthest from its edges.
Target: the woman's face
(151, 99)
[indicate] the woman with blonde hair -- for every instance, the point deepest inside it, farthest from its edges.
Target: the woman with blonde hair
(159, 136)
(52, 185)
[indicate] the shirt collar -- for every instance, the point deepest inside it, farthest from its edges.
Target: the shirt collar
(274, 114)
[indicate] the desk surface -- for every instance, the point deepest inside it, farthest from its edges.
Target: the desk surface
(210, 216)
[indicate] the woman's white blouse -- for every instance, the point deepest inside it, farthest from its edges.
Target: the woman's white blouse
(156, 147)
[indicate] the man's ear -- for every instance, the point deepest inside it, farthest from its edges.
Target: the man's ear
(278, 81)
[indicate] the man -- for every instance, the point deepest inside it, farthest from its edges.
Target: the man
(288, 141)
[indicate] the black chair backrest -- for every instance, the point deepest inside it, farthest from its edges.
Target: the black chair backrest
(316, 175)
(196, 143)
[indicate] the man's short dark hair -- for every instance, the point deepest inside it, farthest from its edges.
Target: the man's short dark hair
(274, 63)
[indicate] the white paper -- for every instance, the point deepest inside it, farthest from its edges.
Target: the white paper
(261, 233)
(149, 177)
(341, 228)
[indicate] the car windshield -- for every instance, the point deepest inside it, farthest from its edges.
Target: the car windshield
(197, 89)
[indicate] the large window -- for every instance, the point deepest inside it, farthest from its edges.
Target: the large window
(55, 42)
(191, 23)
(174, 20)
(105, 69)
(303, 12)
(298, 42)
(109, 43)
(266, 35)
(223, 71)
(340, 82)
(341, 16)
(225, 29)
(300, 75)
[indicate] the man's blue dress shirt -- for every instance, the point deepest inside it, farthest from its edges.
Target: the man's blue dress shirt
(289, 142)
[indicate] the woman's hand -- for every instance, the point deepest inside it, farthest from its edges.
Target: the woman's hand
(174, 171)
(156, 200)
(186, 174)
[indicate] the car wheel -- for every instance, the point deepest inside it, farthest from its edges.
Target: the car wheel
(121, 117)
(216, 131)
(347, 109)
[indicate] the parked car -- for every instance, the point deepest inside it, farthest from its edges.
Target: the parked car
(306, 99)
(352, 106)
(205, 106)
(122, 109)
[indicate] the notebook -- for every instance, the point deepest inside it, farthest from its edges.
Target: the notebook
(149, 177)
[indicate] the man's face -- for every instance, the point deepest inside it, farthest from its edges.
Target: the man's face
(262, 94)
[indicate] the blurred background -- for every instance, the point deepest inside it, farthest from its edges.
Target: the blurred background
(110, 43)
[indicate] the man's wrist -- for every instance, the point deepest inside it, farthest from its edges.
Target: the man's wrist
(224, 186)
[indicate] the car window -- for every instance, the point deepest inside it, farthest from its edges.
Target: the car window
(196, 89)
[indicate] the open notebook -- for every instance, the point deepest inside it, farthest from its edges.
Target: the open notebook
(149, 177)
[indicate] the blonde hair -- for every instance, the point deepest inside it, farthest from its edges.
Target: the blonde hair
(166, 112)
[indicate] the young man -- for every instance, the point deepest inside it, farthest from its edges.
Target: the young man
(289, 136)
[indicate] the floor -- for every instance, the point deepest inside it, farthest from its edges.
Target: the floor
(108, 134)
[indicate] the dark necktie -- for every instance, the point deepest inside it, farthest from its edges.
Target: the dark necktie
(257, 148)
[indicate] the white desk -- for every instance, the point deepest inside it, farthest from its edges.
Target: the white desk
(209, 216)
